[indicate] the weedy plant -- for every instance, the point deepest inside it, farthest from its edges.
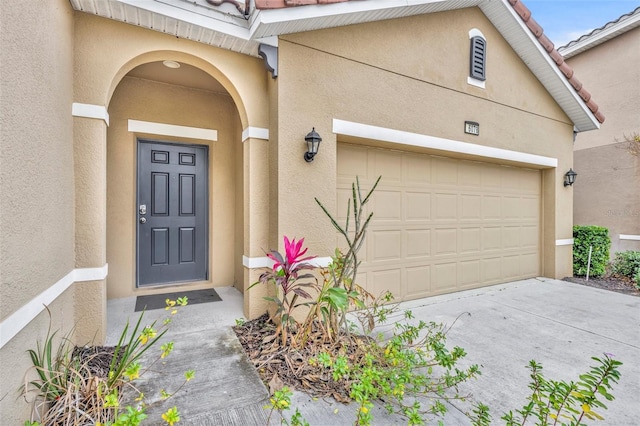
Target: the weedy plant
(74, 385)
(567, 403)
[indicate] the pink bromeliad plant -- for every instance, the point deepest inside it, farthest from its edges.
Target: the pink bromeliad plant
(290, 273)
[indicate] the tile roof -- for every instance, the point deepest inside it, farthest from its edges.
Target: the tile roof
(521, 10)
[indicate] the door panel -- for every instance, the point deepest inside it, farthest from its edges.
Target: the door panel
(172, 242)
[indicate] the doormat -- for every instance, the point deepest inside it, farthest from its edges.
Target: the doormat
(158, 301)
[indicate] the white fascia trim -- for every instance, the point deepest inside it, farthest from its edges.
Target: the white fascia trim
(13, 324)
(630, 237)
(265, 262)
(90, 111)
(565, 242)
(359, 130)
(163, 129)
(255, 133)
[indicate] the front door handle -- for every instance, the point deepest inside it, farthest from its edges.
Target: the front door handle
(143, 209)
(143, 220)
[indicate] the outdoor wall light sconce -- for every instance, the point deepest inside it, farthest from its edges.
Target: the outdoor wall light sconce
(313, 140)
(570, 177)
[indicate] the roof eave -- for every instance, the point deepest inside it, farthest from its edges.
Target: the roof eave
(522, 40)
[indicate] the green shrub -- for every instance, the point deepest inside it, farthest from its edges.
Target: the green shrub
(596, 237)
(626, 263)
(637, 278)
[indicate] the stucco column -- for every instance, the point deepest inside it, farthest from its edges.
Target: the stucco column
(256, 222)
(90, 167)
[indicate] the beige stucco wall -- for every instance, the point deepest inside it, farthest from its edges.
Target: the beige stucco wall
(411, 74)
(100, 67)
(607, 190)
(36, 178)
(144, 100)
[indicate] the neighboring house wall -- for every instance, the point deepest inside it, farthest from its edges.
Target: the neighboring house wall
(37, 186)
(607, 190)
(411, 74)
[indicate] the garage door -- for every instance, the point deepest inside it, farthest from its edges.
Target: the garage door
(442, 225)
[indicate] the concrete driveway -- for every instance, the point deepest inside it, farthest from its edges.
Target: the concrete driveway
(559, 324)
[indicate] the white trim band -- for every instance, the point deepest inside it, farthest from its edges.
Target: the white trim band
(90, 111)
(13, 324)
(255, 133)
(565, 242)
(163, 129)
(630, 237)
(265, 262)
(366, 131)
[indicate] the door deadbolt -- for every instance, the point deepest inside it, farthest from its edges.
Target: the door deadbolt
(143, 209)
(143, 220)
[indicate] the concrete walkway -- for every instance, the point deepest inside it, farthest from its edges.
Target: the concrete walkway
(559, 324)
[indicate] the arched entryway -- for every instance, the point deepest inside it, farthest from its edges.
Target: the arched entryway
(174, 182)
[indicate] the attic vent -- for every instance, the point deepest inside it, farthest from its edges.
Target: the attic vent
(478, 58)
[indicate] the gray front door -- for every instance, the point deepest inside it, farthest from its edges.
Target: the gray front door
(172, 213)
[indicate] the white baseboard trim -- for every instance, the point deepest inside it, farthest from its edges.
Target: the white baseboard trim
(265, 262)
(90, 111)
(630, 237)
(565, 242)
(162, 129)
(13, 324)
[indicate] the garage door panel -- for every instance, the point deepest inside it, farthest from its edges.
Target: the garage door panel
(378, 282)
(510, 237)
(417, 206)
(470, 240)
(445, 171)
(441, 224)
(387, 205)
(471, 174)
(469, 272)
(445, 277)
(511, 267)
(511, 207)
(470, 207)
(491, 238)
(530, 237)
(446, 207)
(417, 243)
(385, 245)
(351, 162)
(387, 164)
(416, 170)
(418, 281)
(491, 207)
(528, 264)
(491, 270)
(445, 242)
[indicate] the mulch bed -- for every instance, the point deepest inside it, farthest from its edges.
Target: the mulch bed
(619, 284)
(279, 365)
